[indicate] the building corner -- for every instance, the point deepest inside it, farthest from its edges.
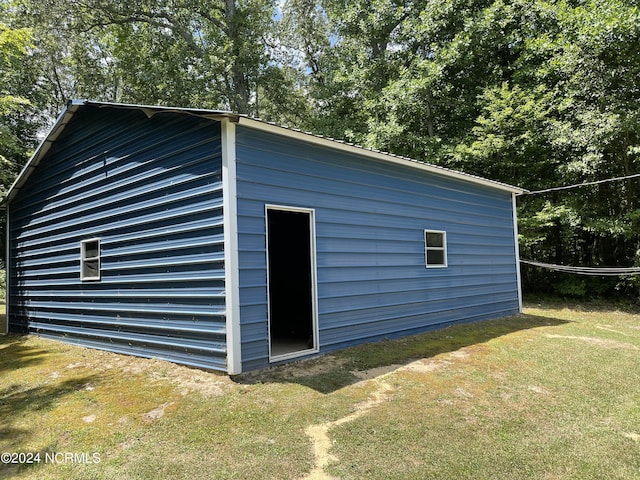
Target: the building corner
(231, 269)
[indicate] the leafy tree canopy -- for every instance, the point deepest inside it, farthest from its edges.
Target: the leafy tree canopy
(536, 93)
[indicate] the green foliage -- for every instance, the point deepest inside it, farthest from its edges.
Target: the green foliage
(532, 93)
(13, 48)
(207, 53)
(509, 139)
(528, 92)
(571, 287)
(18, 124)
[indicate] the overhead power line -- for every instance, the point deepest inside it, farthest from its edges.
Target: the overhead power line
(593, 271)
(567, 187)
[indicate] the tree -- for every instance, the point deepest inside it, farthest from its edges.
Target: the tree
(529, 92)
(205, 53)
(567, 115)
(17, 123)
(13, 144)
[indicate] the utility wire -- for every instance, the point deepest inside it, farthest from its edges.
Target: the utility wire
(567, 187)
(593, 271)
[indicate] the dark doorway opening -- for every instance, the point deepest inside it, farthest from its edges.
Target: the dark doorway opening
(291, 281)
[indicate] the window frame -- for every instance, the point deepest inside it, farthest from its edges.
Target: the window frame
(84, 259)
(442, 249)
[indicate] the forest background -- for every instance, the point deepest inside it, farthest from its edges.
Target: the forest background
(535, 93)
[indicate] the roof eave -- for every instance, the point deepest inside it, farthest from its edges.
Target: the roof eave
(67, 114)
(375, 154)
(151, 110)
(74, 105)
(63, 119)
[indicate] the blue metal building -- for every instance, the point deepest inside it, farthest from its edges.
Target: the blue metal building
(216, 240)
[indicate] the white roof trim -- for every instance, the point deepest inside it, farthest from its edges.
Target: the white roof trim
(74, 105)
(375, 154)
(43, 148)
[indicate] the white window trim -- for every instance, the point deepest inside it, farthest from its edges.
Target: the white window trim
(443, 249)
(84, 258)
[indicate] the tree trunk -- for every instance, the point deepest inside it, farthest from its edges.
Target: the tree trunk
(240, 94)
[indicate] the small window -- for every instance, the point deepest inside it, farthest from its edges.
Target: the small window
(90, 259)
(435, 248)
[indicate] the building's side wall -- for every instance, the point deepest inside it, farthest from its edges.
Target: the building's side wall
(370, 222)
(150, 189)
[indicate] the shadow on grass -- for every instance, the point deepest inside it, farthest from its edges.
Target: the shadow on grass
(23, 399)
(20, 401)
(332, 372)
(14, 354)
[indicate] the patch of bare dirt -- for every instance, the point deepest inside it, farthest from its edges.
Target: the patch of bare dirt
(425, 365)
(539, 390)
(375, 372)
(211, 384)
(187, 379)
(608, 328)
(600, 342)
(156, 413)
(303, 368)
(460, 354)
(319, 434)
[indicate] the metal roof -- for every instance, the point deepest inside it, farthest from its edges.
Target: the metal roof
(73, 106)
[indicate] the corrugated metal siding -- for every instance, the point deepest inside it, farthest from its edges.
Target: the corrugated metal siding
(150, 189)
(370, 221)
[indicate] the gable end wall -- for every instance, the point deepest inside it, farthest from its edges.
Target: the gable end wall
(150, 189)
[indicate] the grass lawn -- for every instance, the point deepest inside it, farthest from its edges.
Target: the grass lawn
(551, 394)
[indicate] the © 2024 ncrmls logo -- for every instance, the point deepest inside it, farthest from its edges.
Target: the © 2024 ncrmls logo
(50, 457)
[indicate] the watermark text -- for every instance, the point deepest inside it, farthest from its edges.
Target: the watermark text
(27, 458)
